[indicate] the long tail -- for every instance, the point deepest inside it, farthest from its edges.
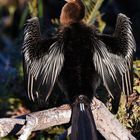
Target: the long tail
(83, 125)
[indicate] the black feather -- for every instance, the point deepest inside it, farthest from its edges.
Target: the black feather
(83, 125)
(79, 58)
(43, 60)
(121, 44)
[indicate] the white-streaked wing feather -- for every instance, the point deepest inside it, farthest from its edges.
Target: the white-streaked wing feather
(105, 66)
(42, 68)
(127, 47)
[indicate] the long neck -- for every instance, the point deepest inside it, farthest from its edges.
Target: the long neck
(81, 8)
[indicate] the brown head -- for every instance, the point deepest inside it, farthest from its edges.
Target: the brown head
(72, 12)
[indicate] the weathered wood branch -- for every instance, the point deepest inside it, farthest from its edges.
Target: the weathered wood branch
(106, 123)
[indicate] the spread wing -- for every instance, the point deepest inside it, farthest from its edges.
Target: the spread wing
(122, 44)
(125, 48)
(43, 60)
(109, 66)
(113, 58)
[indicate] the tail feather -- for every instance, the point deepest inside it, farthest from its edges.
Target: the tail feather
(83, 125)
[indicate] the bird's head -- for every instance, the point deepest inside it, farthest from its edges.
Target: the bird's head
(72, 12)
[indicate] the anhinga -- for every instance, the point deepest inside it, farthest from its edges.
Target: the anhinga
(79, 59)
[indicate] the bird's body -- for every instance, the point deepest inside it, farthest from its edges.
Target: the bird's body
(78, 59)
(78, 75)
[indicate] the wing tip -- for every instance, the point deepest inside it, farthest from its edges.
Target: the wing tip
(123, 18)
(123, 15)
(32, 19)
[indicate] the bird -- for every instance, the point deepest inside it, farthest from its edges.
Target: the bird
(78, 58)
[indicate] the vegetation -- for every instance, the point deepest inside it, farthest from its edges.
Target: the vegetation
(130, 117)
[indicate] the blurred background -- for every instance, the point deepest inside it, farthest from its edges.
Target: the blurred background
(13, 16)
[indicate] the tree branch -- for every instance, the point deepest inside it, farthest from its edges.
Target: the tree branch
(106, 123)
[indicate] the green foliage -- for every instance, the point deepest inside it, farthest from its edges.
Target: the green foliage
(93, 14)
(129, 115)
(23, 17)
(40, 8)
(9, 138)
(32, 4)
